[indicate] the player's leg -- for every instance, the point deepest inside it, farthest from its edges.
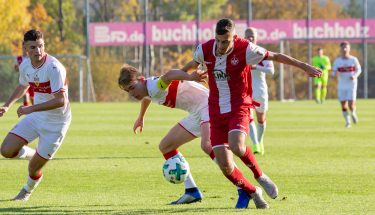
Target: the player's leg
(324, 87)
(50, 139)
(169, 145)
(233, 174)
(345, 113)
(261, 117)
(15, 143)
(352, 104)
(35, 177)
(317, 91)
(253, 133)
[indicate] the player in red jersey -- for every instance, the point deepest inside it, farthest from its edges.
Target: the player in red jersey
(28, 98)
(228, 59)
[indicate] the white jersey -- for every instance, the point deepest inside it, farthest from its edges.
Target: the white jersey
(185, 95)
(47, 79)
(346, 69)
(258, 79)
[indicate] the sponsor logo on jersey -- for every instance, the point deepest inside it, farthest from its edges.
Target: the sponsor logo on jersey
(207, 62)
(220, 75)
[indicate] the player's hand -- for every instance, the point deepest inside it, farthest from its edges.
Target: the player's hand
(3, 110)
(138, 124)
(24, 110)
(352, 78)
(198, 76)
(312, 71)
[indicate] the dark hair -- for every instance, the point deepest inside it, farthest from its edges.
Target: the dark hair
(224, 26)
(345, 43)
(32, 35)
(318, 49)
(127, 75)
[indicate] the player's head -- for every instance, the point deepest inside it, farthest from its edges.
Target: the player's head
(132, 81)
(251, 35)
(224, 35)
(34, 44)
(345, 48)
(320, 51)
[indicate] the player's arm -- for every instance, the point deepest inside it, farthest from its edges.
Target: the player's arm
(139, 122)
(358, 70)
(176, 74)
(17, 94)
(266, 67)
(285, 59)
(60, 99)
(192, 65)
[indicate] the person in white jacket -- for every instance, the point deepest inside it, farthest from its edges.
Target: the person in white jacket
(260, 95)
(347, 69)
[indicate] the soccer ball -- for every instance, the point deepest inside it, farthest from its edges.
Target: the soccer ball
(176, 169)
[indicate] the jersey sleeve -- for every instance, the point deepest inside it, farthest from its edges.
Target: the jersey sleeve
(57, 78)
(358, 68)
(328, 63)
(334, 67)
(154, 91)
(255, 54)
(266, 66)
(198, 55)
(22, 79)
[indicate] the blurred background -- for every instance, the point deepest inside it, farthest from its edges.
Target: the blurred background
(93, 38)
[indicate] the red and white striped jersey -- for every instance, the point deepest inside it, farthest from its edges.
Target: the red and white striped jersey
(189, 96)
(47, 79)
(229, 81)
(346, 69)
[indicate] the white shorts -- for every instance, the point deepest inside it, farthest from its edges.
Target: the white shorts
(192, 123)
(349, 94)
(51, 134)
(263, 101)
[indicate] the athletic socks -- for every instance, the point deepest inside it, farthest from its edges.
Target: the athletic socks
(25, 153)
(253, 133)
(261, 128)
(249, 159)
(237, 178)
(189, 182)
(33, 182)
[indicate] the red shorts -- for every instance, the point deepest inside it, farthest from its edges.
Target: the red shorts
(221, 125)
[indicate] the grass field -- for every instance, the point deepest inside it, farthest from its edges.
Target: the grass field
(103, 168)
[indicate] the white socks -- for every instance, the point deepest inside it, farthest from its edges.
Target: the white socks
(32, 184)
(189, 182)
(253, 133)
(261, 129)
(26, 153)
(346, 117)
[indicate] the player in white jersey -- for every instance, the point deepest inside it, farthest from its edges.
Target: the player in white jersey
(259, 94)
(347, 68)
(185, 95)
(48, 119)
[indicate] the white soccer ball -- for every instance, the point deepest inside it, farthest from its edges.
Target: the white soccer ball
(176, 169)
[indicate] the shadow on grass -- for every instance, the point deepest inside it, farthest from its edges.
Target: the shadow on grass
(76, 210)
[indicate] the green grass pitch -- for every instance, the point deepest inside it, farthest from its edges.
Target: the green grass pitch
(103, 168)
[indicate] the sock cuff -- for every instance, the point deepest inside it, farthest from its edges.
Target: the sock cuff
(170, 154)
(36, 177)
(248, 150)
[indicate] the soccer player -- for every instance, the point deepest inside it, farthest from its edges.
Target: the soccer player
(28, 98)
(347, 68)
(227, 58)
(259, 94)
(322, 62)
(185, 95)
(49, 118)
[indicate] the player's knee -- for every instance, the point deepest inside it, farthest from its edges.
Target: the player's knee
(7, 153)
(226, 168)
(237, 149)
(164, 147)
(206, 146)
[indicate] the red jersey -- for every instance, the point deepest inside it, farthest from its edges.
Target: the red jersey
(229, 80)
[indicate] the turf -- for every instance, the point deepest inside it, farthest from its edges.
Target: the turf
(103, 168)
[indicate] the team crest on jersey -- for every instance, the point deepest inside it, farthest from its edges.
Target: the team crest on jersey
(36, 80)
(220, 75)
(234, 61)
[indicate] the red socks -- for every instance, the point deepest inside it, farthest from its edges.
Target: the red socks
(237, 178)
(249, 159)
(170, 154)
